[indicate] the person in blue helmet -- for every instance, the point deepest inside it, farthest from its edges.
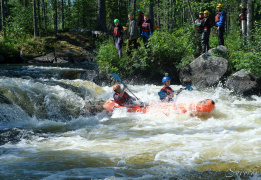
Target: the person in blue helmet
(167, 89)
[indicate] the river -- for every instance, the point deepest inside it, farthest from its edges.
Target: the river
(46, 131)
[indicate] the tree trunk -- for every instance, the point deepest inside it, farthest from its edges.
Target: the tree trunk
(45, 19)
(249, 18)
(134, 8)
(35, 19)
(39, 16)
(151, 11)
(69, 13)
(158, 3)
(244, 21)
(101, 16)
(62, 15)
(55, 17)
(3, 16)
(119, 9)
(171, 12)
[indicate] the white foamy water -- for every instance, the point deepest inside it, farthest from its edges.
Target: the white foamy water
(143, 146)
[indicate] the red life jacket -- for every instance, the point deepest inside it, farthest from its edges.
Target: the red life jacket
(208, 25)
(217, 17)
(117, 31)
(146, 27)
(122, 100)
(200, 20)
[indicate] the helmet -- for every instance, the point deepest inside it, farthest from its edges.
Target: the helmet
(116, 86)
(219, 5)
(166, 78)
(139, 10)
(201, 12)
(116, 21)
(206, 12)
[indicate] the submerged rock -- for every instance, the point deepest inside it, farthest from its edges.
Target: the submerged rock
(205, 71)
(243, 83)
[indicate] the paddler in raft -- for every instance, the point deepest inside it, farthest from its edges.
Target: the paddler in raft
(121, 97)
(167, 89)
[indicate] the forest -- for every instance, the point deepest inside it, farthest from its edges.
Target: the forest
(173, 45)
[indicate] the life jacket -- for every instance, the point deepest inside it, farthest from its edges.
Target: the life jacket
(122, 100)
(200, 28)
(208, 26)
(168, 91)
(217, 17)
(117, 31)
(146, 26)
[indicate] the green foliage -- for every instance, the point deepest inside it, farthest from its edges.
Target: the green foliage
(249, 61)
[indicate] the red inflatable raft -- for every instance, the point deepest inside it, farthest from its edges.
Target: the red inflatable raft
(194, 108)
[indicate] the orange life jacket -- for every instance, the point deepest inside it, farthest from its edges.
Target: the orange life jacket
(122, 100)
(146, 27)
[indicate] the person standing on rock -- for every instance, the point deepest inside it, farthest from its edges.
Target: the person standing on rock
(199, 23)
(220, 19)
(133, 34)
(140, 19)
(206, 32)
(147, 28)
(118, 36)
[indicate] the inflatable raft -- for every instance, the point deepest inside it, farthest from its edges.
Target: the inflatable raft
(194, 108)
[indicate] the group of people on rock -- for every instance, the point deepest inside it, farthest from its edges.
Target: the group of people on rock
(204, 23)
(143, 28)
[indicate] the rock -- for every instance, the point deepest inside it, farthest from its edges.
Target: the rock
(220, 51)
(205, 71)
(244, 84)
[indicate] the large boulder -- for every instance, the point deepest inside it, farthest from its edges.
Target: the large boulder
(243, 83)
(205, 71)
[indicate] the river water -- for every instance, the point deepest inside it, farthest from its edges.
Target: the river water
(46, 131)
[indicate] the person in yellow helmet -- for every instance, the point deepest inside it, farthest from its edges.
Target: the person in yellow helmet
(242, 15)
(206, 32)
(199, 22)
(220, 19)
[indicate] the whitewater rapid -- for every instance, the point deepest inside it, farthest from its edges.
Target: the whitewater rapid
(46, 134)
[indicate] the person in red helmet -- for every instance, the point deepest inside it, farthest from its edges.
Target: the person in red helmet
(120, 96)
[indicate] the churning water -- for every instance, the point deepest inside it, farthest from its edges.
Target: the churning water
(45, 133)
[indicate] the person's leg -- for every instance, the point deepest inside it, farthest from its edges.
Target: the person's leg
(145, 41)
(203, 42)
(207, 41)
(222, 35)
(135, 43)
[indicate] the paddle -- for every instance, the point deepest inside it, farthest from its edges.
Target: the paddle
(162, 95)
(116, 76)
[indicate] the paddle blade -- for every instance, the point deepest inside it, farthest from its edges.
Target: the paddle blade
(188, 87)
(116, 76)
(162, 95)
